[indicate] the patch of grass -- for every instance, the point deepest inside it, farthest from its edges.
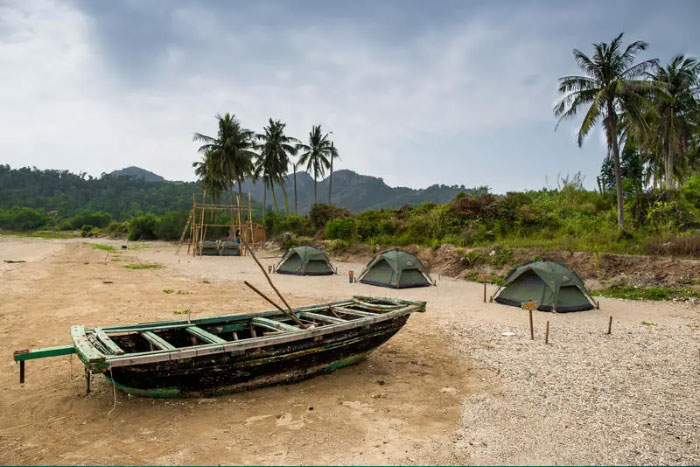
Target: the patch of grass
(142, 266)
(182, 312)
(99, 246)
(649, 323)
(49, 234)
(631, 292)
(168, 291)
(182, 292)
(206, 282)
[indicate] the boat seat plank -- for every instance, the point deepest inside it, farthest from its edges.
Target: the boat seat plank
(274, 325)
(327, 319)
(113, 348)
(348, 311)
(158, 341)
(206, 336)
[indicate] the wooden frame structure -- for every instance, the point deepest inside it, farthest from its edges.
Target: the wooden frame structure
(201, 218)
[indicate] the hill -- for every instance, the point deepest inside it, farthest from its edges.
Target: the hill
(131, 191)
(137, 173)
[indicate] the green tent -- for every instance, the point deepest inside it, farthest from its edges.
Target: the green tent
(305, 261)
(548, 283)
(397, 269)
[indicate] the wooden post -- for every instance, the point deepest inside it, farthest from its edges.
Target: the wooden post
(291, 313)
(21, 372)
(610, 326)
(546, 334)
(532, 329)
(201, 225)
(250, 217)
(87, 381)
(484, 292)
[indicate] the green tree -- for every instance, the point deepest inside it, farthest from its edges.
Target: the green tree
(315, 155)
(677, 107)
(608, 88)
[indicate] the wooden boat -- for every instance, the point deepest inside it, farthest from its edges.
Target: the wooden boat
(230, 353)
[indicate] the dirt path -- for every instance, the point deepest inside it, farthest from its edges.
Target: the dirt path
(400, 407)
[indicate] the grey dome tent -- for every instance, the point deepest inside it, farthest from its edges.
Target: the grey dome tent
(397, 269)
(548, 283)
(305, 261)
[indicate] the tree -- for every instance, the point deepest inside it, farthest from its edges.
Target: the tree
(675, 85)
(275, 149)
(333, 155)
(294, 167)
(209, 176)
(315, 155)
(608, 88)
(231, 151)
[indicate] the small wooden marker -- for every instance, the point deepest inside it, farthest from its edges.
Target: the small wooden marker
(532, 329)
(484, 292)
(529, 306)
(546, 334)
(610, 326)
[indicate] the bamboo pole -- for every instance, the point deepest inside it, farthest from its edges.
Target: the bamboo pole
(201, 225)
(269, 300)
(291, 312)
(250, 217)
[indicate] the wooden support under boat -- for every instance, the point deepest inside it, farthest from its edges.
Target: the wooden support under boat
(158, 341)
(206, 336)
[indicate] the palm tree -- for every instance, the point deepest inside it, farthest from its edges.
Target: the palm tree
(272, 165)
(608, 88)
(675, 102)
(294, 168)
(209, 176)
(333, 155)
(315, 155)
(231, 151)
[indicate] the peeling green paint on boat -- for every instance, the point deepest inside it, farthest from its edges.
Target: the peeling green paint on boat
(351, 360)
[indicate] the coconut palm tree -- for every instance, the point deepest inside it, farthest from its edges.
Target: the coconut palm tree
(209, 177)
(315, 155)
(275, 149)
(231, 151)
(609, 86)
(333, 155)
(676, 105)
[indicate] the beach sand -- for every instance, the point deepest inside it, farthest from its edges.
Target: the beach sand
(448, 388)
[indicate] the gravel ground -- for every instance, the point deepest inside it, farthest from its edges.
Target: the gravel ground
(586, 398)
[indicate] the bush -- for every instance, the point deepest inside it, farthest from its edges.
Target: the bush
(340, 229)
(171, 225)
(143, 227)
(22, 219)
(95, 219)
(86, 231)
(320, 214)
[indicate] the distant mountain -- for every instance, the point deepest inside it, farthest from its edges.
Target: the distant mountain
(354, 192)
(138, 174)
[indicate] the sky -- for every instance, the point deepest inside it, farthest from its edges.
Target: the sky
(415, 92)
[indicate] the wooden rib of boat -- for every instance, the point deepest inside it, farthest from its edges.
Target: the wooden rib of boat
(230, 353)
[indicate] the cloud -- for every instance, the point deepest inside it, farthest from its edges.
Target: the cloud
(416, 94)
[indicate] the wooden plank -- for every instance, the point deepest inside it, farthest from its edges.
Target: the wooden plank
(109, 343)
(206, 336)
(158, 341)
(363, 314)
(327, 319)
(22, 355)
(274, 325)
(83, 347)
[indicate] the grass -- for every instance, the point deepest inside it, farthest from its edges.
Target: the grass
(42, 234)
(182, 312)
(630, 292)
(100, 246)
(142, 266)
(206, 282)
(168, 291)
(649, 323)
(179, 292)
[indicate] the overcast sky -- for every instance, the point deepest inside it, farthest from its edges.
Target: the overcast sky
(414, 92)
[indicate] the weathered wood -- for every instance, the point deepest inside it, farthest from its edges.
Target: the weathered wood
(274, 325)
(349, 311)
(22, 355)
(532, 328)
(317, 317)
(158, 341)
(610, 326)
(21, 372)
(546, 334)
(206, 336)
(269, 300)
(85, 350)
(109, 343)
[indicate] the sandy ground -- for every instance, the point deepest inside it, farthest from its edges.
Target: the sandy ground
(449, 388)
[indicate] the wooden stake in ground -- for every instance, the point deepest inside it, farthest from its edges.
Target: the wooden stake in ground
(529, 306)
(610, 326)
(532, 329)
(262, 268)
(484, 292)
(546, 334)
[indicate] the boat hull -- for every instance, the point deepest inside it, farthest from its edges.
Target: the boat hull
(255, 368)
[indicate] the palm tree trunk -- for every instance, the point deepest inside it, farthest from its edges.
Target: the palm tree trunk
(286, 199)
(668, 154)
(264, 197)
(274, 198)
(612, 140)
(330, 186)
(230, 191)
(295, 190)
(315, 190)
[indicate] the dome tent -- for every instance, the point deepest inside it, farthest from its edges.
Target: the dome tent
(305, 261)
(397, 269)
(552, 285)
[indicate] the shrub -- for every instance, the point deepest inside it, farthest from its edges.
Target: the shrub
(143, 227)
(86, 231)
(171, 225)
(95, 219)
(341, 229)
(320, 214)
